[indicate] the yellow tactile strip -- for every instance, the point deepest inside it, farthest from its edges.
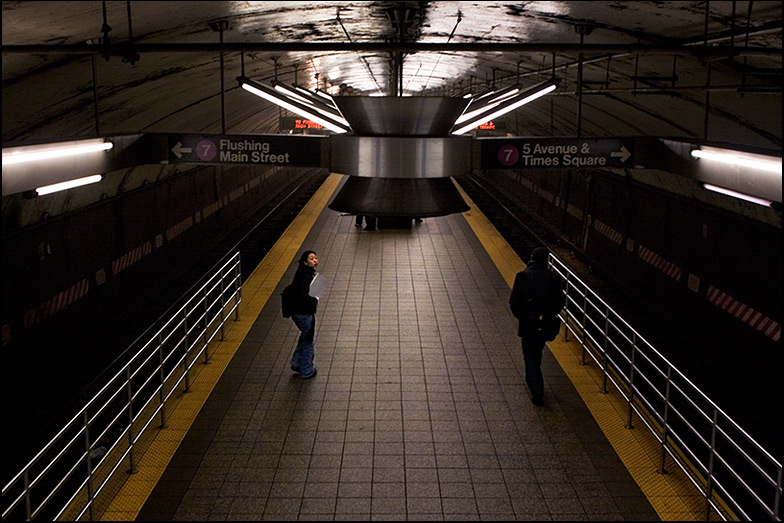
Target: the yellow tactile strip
(672, 495)
(255, 293)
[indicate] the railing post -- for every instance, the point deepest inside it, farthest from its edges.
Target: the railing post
(665, 422)
(584, 326)
(206, 326)
(238, 280)
(777, 497)
(629, 424)
(566, 307)
(162, 375)
(709, 486)
(223, 305)
(185, 350)
(131, 443)
(88, 462)
(27, 493)
(604, 349)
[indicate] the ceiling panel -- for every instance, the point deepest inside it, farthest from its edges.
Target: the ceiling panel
(646, 68)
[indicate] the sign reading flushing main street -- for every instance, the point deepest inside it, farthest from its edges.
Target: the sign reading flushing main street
(261, 149)
(559, 153)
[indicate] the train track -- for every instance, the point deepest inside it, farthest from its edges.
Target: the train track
(52, 389)
(691, 350)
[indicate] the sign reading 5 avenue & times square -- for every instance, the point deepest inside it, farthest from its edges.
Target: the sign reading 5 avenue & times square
(559, 153)
(263, 149)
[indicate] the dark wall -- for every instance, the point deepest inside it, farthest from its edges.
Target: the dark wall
(711, 276)
(102, 261)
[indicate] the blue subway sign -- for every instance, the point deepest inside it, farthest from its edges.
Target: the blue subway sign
(555, 153)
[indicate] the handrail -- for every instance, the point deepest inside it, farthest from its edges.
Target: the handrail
(736, 476)
(76, 475)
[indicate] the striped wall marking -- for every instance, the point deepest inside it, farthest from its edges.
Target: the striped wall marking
(131, 257)
(236, 193)
(661, 263)
(57, 303)
(211, 208)
(573, 210)
(767, 326)
(176, 230)
(605, 230)
(65, 298)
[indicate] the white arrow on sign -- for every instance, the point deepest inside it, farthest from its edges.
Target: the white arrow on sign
(623, 154)
(178, 149)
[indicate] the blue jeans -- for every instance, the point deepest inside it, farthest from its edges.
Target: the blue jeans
(303, 354)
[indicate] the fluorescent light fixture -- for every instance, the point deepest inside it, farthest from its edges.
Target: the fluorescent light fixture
(311, 112)
(475, 109)
(32, 153)
(493, 96)
(735, 194)
(314, 102)
(754, 161)
(70, 184)
(502, 103)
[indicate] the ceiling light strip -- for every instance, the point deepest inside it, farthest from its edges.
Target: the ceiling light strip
(754, 161)
(70, 184)
(510, 104)
(310, 112)
(307, 98)
(33, 153)
(736, 194)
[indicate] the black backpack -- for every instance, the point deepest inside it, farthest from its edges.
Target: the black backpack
(287, 301)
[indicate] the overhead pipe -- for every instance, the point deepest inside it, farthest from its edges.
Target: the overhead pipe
(705, 52)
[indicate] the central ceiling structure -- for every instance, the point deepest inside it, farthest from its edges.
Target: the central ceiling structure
(693, 70)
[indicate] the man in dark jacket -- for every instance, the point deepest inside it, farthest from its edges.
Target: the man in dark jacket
(537, 298)
(303, 312)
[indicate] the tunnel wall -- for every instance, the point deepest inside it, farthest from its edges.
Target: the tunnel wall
(695, 261)
(102, 260)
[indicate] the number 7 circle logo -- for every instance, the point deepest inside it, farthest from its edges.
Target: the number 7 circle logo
(508, 155)
(206, 150)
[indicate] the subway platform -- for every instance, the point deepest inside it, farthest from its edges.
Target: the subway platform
(419, 410)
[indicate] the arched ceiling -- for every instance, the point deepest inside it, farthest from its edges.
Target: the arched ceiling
(648, 68)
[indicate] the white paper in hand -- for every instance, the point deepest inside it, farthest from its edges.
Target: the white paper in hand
(317, 286)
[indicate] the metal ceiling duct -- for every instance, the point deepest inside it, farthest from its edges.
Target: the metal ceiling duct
(399, 115)
(398, 197)
(400, 158)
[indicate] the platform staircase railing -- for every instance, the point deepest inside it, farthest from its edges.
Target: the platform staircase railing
(79, 472)
(736, 476)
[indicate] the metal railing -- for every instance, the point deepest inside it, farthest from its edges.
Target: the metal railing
(79, 472)
(736, 476)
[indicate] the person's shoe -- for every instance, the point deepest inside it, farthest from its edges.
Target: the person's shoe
(537, 399)
(295, 368)
(309, 375)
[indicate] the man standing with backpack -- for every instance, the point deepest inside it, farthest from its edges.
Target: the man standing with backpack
(537, 299)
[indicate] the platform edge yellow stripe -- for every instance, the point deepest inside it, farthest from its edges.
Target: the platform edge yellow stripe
(672, 495)
(256, 291)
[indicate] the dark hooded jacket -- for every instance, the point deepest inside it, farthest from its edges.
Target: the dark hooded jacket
(537, 292)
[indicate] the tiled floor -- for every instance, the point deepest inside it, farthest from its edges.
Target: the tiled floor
(419, 410)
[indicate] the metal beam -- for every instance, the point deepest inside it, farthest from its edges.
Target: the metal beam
(705, 52)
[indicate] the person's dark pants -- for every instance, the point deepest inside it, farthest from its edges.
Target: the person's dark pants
(533, 347)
